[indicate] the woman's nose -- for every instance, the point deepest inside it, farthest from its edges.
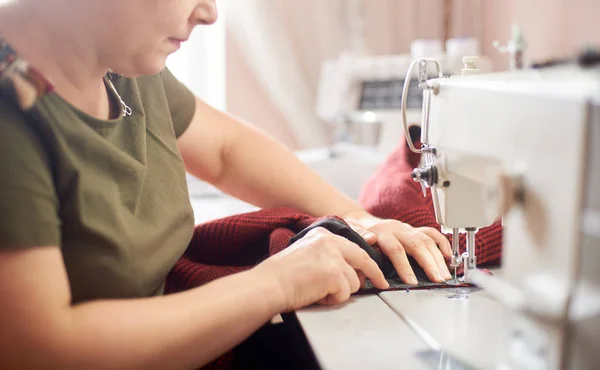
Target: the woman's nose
(205, 13)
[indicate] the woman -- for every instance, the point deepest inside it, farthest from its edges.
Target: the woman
(94, 205)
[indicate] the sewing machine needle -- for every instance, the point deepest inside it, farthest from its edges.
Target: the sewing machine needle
(455, 280)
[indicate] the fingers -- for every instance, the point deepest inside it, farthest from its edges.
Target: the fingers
(352, 279)
(343, 292)
(367, 235)
(344, 261)
(342, 287)
(439, 238)
(426, 244)
(360, 260)
(362, 278)
(419, 251)
(390, 245)
(439, 258)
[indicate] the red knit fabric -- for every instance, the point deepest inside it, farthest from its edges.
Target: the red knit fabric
(225, 246)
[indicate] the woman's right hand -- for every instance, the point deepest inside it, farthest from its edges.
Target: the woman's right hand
(321, 267)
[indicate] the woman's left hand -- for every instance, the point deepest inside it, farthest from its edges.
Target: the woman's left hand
(398, 240)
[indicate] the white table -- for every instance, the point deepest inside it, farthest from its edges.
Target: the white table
(407, 330)
(363, 333)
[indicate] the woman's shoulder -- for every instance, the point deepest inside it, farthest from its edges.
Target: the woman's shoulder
(17, 134)
(11, 115)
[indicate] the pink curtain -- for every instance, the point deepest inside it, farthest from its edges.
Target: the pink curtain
(315, 30)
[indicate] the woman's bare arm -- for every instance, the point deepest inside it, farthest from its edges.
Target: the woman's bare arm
(251, 166)
(40, 329)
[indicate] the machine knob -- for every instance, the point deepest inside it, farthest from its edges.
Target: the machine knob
(427, 175)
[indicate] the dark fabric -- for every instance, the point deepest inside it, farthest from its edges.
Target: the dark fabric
(276, 347)
(340, 227)
(397, 284)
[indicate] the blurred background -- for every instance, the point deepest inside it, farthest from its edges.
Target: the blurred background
(262, 60)
(325, 77)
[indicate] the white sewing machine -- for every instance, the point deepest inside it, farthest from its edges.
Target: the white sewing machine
(524, 145)
(369, 87)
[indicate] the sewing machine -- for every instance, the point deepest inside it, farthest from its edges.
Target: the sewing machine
(523, 146)
(362, 95)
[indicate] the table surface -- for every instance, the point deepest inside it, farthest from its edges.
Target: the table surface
(420, 329)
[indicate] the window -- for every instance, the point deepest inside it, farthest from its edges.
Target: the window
(200, 63)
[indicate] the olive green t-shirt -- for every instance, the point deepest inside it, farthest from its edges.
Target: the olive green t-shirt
(112, 194)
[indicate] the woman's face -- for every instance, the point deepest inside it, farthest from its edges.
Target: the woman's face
(134, 37)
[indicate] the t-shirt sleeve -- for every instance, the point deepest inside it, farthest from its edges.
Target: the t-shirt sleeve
(28, 200)
(182, 102)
